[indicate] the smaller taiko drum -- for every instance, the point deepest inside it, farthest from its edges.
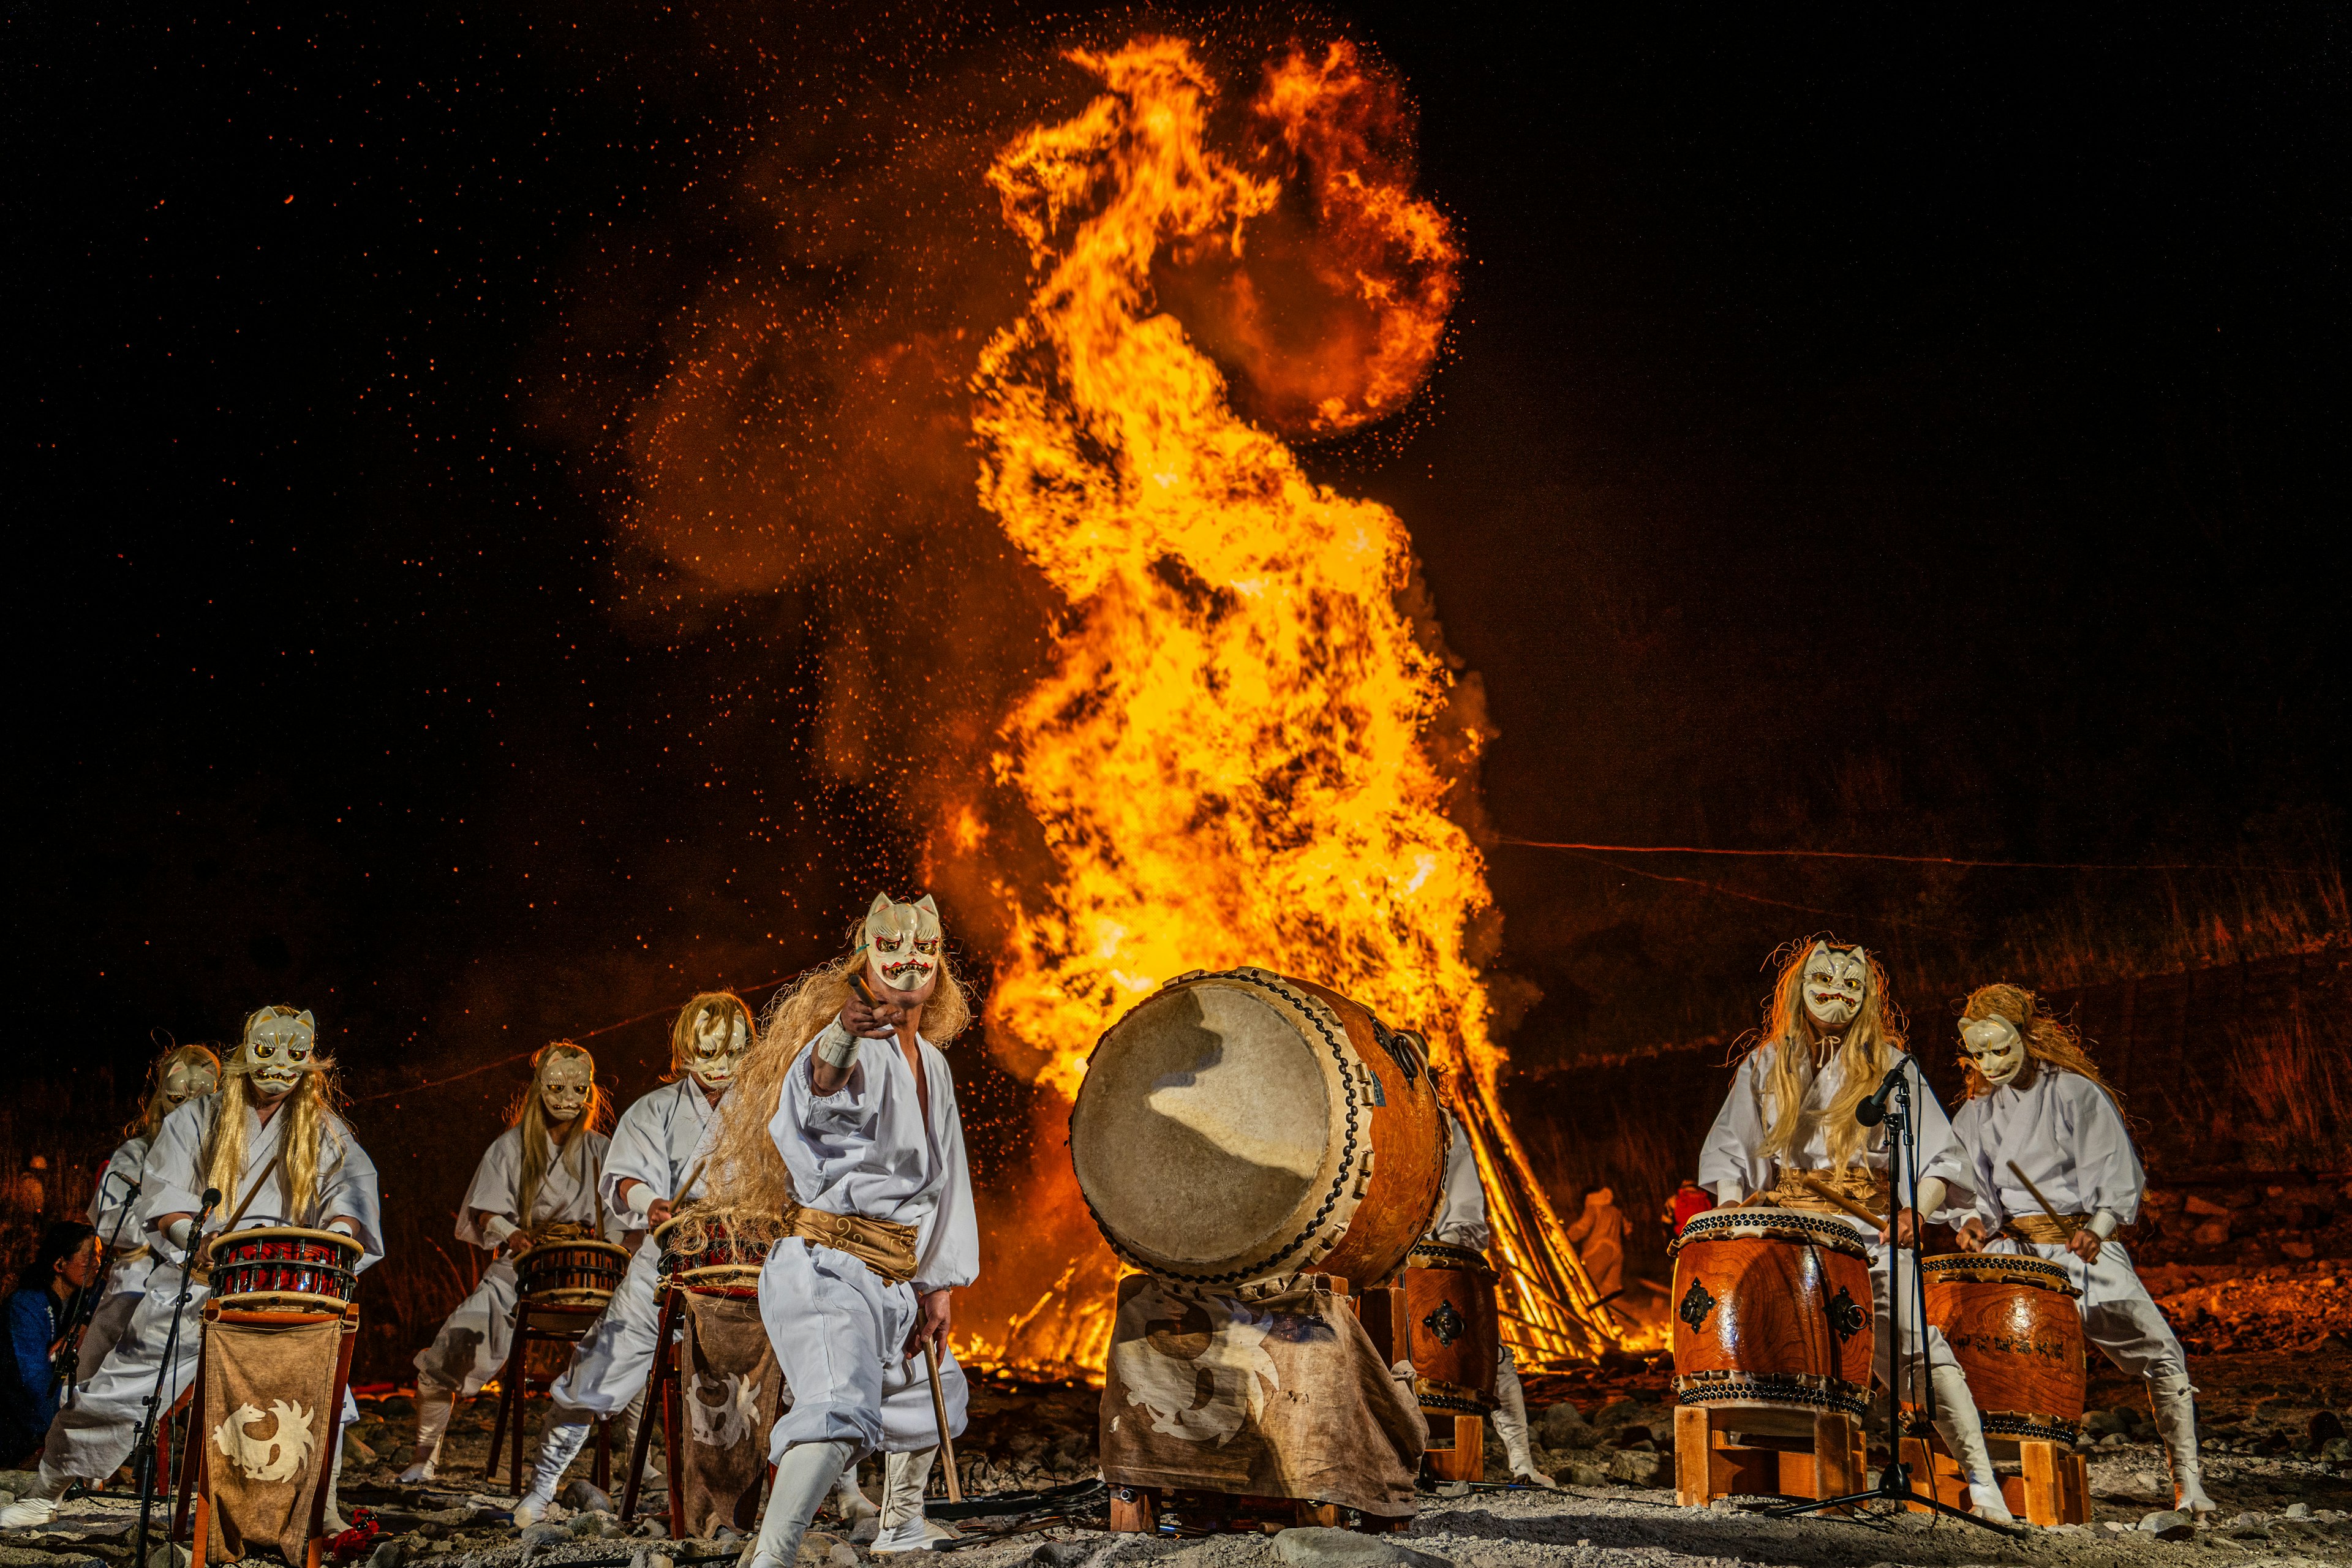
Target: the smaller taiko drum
(570, 1272)
(283, 1268)
(1772, 1308)
(1453, 1332)
(702, 1253)
(2014, 1328)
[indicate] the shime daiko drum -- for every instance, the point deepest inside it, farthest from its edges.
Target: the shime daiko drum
(2015, 1330)
(572, 1271)
(701, 1252)
(1772, 1308)
(284, 1268)
(1453, 1328)
(1237, 1129)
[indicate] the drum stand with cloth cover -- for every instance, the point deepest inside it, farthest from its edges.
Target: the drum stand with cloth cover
(714, 1378)
(1260, 1148)
(564, 1284)
(264, 1427)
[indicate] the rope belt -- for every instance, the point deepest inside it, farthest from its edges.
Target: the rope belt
(1865, 1187)
(2043, 1231)
(887, 1248)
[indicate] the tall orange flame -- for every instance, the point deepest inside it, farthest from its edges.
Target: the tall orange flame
(1246, 751)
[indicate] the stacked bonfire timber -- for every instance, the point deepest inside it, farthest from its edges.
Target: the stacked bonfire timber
(1551, 1315)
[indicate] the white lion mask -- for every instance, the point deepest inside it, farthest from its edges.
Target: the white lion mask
(277, 1050)
(1834, 983)
(902, 941)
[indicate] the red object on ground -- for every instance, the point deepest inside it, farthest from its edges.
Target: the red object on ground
(357, 1541)
(1689, 1200)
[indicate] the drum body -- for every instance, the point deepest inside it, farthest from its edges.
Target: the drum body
(702, 1253)
(1452, 1327)
(571, 1273)
(1772, 1308)
(2015, 1329)
(1235, 1129)
(283, 1268)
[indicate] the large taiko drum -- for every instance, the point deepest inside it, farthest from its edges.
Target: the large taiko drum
(1237, 1129)
(702, 1253)
(1452, 1329)
(2014, 1328)
(571, 1272)
(1772, 1308)
(283, 1268)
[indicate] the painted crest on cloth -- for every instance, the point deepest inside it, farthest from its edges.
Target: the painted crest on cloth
(279, 1456)
(1203, 1370)
(723, 1410)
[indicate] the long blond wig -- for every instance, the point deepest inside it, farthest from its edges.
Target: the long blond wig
(682, 1031)
(312, 1120)
(2048, 1042)
(1867, 1049)
(539, 1146)
(150, 1119)
(746, 1183)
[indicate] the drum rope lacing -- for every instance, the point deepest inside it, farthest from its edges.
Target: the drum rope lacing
(1312, 1010)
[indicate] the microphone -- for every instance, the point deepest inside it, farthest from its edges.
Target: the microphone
(212, 1197)
(1873, 1112)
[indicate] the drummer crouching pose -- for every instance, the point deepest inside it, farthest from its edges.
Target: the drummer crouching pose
(648, 1166)
(272, 1145)
(2037, 1100)
(850, 1105)
(1828, 1040)
(180, 1075)
(1462, 1222)
(541, 1172)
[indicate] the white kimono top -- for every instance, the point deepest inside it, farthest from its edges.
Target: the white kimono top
(866, 1149)
(1462, 1204)
(2064, 1134)
(654, 1142)
(116, 1201)
(567, 1194)
(176, 1178)
(1730, 1164)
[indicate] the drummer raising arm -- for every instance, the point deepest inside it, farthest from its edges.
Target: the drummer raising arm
(272, 1144)
(1462, 1222)
(1830, 1038)
(541, 1170)
(2036, 1099)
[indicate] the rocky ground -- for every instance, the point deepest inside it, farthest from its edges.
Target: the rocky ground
(2278, 1461)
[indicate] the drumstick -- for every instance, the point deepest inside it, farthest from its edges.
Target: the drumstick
(2047, 1207)
(687, 1185)
(1822, 1189)
(940, 1413)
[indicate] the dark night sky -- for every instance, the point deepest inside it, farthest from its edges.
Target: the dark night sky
(1861, 431)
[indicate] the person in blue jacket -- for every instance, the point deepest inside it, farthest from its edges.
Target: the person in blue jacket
(38, 1315)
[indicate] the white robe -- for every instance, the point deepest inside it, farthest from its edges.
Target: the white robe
(93, 1438)
(2069, 1138)
(114, 1204)
(839, 1329)
(473, 1342)
(1732, 1163)
(655, 1142)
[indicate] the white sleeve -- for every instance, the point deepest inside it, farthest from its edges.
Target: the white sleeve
(111, 1204)
(1462, 1204)
(1941, 1158)
(1983, 1197)
(946, 1255)
(1729, 1165)
(492, 1189)
(348, 1186)
(2107, 1174)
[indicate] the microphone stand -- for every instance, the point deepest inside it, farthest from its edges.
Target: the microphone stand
(88, 1309)
(144, 1453)
(1894, 1476)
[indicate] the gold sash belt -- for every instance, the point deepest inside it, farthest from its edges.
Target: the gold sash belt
(2043, 1231)
(887, 1248)
(1865, 1187)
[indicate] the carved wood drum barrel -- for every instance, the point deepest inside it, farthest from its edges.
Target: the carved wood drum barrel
(1452, 1327)
(1772, 1307)
(571, 1272)
(703, 1254)
(280, 1268)
(2014, 1328)
(1237, 1129)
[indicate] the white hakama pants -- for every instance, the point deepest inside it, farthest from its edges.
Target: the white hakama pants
(839, 1330)
(2119, 1314)
(473, 1342)
(1936, 1353)
(613, 1360)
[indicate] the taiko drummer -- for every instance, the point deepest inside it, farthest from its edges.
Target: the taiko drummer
(1831, 1037)
(271, 1143)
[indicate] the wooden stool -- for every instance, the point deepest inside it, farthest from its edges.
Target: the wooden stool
(1765, 1450)
(2055, 1489)
(543, 1322)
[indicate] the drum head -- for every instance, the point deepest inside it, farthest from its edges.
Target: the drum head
(1204, 1126)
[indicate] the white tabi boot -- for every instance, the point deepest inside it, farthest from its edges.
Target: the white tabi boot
(904, 1528)
(434, 1408)
(38, 1507)
(2175, 1404)
(1963, 1433)
(565, 1434)
(856, 1509)
(1510, 1419)
(805, 1473)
